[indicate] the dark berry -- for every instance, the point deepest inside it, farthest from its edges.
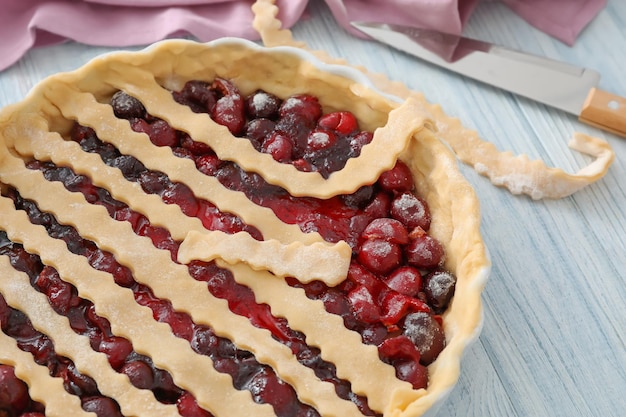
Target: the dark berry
(258, 130)
(358, 141)
(262, 105)
(126, 106)
(439, 288)
(162, 134)
(140, 374)
(360, 198)
(198, 95)
(102, 406)
(426, 333)
(297, 129)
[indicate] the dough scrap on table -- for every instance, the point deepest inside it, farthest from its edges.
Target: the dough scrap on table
(518, 174)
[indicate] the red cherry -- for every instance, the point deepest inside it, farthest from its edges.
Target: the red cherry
(387, 229)
(188, 407)
(162, 134)
(424, 252)
(379, 206)
(14, 392)
(196, 148)
(398, 179)
(406, 280)
(279, 146)
(229, 110)
(342, 122)
(380, 256)
(395, 306)
(401, 352)
(320, 139)
(208, 164)
(304, 105)
(302, 165)
(413, 372)
(140, 374)
(117, 350)
(364, 305)
(411, 210)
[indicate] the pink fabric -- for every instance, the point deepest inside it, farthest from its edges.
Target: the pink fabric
(28, 23)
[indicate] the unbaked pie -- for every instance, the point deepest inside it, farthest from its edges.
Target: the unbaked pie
(230, 230)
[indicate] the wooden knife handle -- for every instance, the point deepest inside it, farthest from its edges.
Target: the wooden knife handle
(606, 111)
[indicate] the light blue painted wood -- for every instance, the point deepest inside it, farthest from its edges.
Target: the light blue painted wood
(554, 341)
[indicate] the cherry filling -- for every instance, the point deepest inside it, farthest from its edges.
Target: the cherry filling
(396, 286)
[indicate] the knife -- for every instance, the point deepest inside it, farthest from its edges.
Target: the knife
(554, 83)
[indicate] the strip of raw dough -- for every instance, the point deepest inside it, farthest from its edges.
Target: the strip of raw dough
(306, 263)
(41, 386)
(518, 174)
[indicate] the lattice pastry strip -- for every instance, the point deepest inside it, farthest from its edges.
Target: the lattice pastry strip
(19, 294)
(295, 259)
(171, 281)
(41, 386)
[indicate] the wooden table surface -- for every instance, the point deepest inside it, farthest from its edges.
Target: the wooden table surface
(554, 338)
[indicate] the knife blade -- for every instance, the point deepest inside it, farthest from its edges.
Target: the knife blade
(557, 84)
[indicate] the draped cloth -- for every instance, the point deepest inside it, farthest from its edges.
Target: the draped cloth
(28, 23)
